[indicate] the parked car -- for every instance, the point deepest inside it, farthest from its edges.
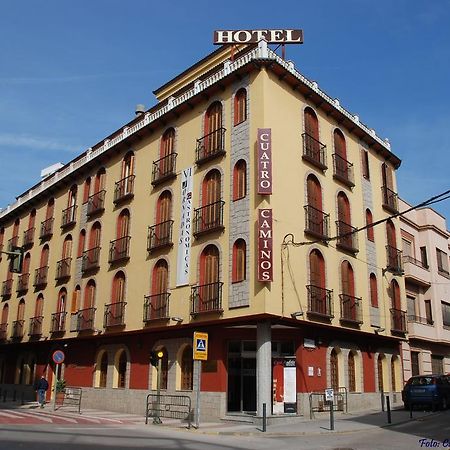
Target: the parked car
(433, 390)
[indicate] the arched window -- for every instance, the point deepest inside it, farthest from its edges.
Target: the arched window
(316, 269)
(351, 372)
(67, 247)
(32, 219)
(373, 290)
(240, 180)
(15, 236)
(166, 163)
(213, 132)
(343, 208)
(39, 307)
(347, 279)
(116, 309)
(369, 221)
(395, 296)
(160, 278)
(4, 321)
(50, 209)
(340, 147)
(59, 319)
(314, 214)
(44, 256)
(62, 300)
(344, 227)
(311, 124)
(167, 143)
(314, 192)
(122, 370)
(85, 320)
(240, 106)
(211, 188)
(317, 294)
(156, 307)
(125, 186)
(87, 189)
(81, 243)
(311, 144)
(208, 298)
(393, 254)
(164, 207)
(21, 310)
(91, 257)
(72, 196)
(211, 213)
(390, 233)
(334, 369)
(26, 268)
(128, 165)
(89, 295)
(341, 165)
(94, 236)
(103, 370)
(118, 288)
(76, 299)
(119, 249)
(99, 182)
(239, 260)
(349, 305)
(186, 369)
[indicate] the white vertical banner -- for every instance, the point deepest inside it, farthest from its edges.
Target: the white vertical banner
(184, 240)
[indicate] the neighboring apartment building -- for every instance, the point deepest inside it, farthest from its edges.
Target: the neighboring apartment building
(425, 242)
(187, 219)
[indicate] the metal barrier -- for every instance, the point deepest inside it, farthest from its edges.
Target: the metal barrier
(69, 396)
(168, 406)
(317, 402)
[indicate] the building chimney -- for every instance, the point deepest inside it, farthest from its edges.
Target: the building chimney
(140, 109)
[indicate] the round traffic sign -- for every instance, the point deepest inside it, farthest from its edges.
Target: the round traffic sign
(58, 356)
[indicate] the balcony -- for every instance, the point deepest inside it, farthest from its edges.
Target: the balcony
(114, 315)
(160, 235)
(124, 189)
(63, 269)
(58, 324)
(69, 216)
(17, 329)
(3, 331)
(416, 272)
(13, 242)
(91, 259)
(208, 218)
(422, 320)
(22, 283)
(398, 321)
(156, 307)
(36, 326)
(28, 237)
(83, 320)
(7, 288)
(320, 302)
(316, 222)
(46, 228)
(119, 250)
(343, 170)
(210, 146)
(164, 169)
(40, 277)
(390, 199)
(347, 237)
(96, 203)
(314, 152)
(350, 309)
(394, 260)
(206, 298)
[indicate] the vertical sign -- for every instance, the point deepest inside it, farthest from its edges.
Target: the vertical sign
(265, 242)
(264, 143)
(184, 240)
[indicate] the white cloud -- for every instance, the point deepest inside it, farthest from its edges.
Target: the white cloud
(36, 143)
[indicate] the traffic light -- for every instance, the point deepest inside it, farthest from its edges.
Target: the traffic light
(155, 357)
(16, 260)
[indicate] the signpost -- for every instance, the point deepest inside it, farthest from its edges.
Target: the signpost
(200, 353)
(329, 397)
(58, 357)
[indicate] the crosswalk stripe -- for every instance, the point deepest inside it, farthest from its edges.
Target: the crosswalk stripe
(4, 414)
(34, 416)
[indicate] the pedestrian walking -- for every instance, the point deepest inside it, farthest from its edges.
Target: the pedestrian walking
(41, 389)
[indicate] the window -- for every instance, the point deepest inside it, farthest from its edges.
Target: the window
(442, 262)
(312, 127)
(128, 165)
(118, 288)
(340, 147)
(240, 180)
(164, 207)
(211, 188)
(21, 310)
(94, 236)
(390, 233)
(186, 369)
(209, 265)
(213, 125)
(343, 209)
(50, 209)
(347, 279)
(167, 145)
(428, 312)
(39, 307)
(395, 295)
(407, 247)
(365, 164)
(369, 223)
(76, 298)
(99, 182)
(316, 220)
(240, 106)
(373, 290)
(314, 192)
(160, 278)
(411, 307)
(89, 295)
(239, 258)
(4, 318)
(415, 368)
(86, 189)
(387, 176)
(351, 372)
(316, 269)
(424, 257)
(437, 365)
(67, 247)
(44, 256)
(445, 314)
(81, 243)
(334, 370)
(123, 224)
(62, 300)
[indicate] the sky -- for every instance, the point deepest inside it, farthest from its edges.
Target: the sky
(71, 73)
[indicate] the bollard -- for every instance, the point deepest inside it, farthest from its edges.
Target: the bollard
(388, 406)
(382, 401)
(410, 410)
(264, 425)
(331, 415)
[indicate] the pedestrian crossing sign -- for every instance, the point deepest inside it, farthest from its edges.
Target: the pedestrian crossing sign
(200, 346)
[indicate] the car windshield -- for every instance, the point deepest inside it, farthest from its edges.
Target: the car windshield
(421, 381)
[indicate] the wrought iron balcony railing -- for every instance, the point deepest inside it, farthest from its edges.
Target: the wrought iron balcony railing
(160, 235)
(394, 260)
(91, 259)
(210, 146)
(96, 203)
(22, 282)
(314, 151)
(343, 170)
(316, 222)
(124, 189)
(40, 277)
(63, 269)
(390, 199)
(119, 249)
(350, 309)
(398, 320)
(7, 288)
(156, 306)
(58, 324)
(208, 218)
(416, 262)
(46, 228)
(17, 329)
(206, 298)
(28, 237)
(164, 168)
(36, 326)
(69, 216)
(114, 314)
(13, 242)
(83, 319)
(347, 237)
(3, 331)
(320, 301)
(418, 319)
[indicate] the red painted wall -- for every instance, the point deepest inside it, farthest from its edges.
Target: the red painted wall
(369, 371)
(311, 358)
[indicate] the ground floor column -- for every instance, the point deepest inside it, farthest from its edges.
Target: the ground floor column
(263, 367)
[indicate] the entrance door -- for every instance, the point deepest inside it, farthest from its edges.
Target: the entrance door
(249, 384)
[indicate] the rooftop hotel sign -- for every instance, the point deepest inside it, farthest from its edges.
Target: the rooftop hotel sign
(253, 36)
